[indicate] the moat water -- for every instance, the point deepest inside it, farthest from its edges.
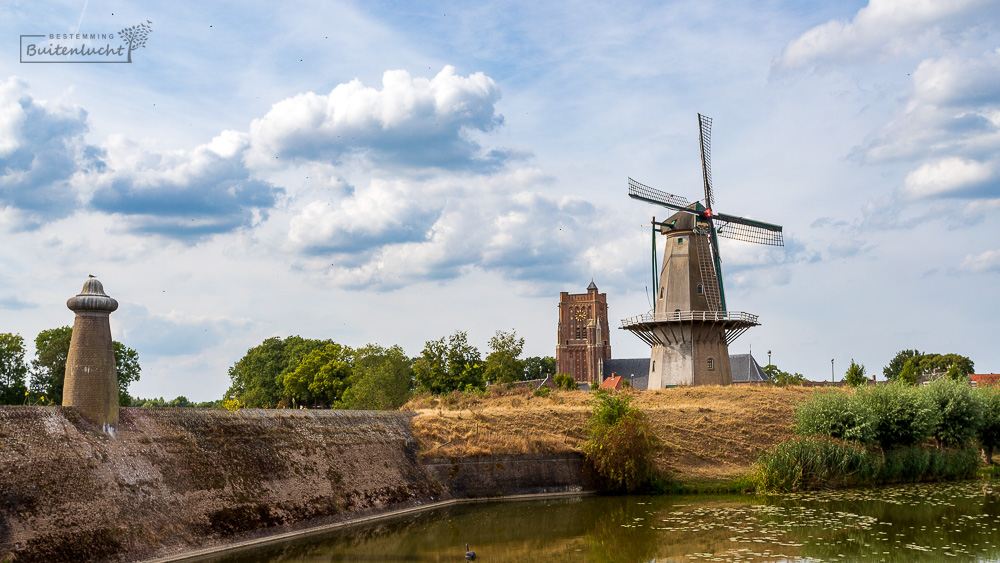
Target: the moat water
(907, 523)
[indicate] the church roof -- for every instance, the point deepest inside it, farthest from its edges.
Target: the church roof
(592, 286)
(745, 368)
(635, 370)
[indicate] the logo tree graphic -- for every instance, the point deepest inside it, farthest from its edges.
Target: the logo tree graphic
(135, 36)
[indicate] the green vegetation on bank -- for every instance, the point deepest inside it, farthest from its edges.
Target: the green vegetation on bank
(885, 434)
(621, 444)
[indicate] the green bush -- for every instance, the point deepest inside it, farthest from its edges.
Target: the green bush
(902, 415)
(960, 411)
(543, 391)
(909, 464)
(855, 375)
(621, 444)
(989, 430)
(836, 414)
(565, 381)
(815, 463)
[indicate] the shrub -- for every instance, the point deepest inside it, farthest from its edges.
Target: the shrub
(989, 430)
(855, 375)
(621, 444)
(960, 411)
(836, 414)
(909, 464)
(565, 381)
(902, 415)
(543, 391)
(814, 463)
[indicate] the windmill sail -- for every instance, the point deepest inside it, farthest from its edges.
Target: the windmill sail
(705, 139)
(748, 230)
(655, 196)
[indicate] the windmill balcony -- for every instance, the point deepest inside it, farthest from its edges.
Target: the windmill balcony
(665, 328)
(675, 316)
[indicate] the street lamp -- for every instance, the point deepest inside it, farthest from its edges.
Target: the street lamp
(831, 370)
(768, 357)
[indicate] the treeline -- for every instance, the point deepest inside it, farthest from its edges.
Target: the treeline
(906, 367)
(296, 372)
(42, 381)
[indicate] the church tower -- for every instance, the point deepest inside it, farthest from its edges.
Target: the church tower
(584, 340)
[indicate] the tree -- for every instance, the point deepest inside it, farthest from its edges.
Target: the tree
(320, 378)
(381, 379)
(910, 372)
(258, 378)
(927, 363)
(781, 378)
(447, 366)
(48, 369)
(503, 364)
(127, 368)
(855, 375)
(13, 370)
(538, 367)
(895, 367)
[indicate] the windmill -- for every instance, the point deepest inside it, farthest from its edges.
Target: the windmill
(690, 327)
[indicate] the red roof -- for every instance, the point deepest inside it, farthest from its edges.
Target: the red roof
(982, 379)
(613, 382)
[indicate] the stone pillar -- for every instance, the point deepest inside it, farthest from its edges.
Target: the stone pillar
(91, 384)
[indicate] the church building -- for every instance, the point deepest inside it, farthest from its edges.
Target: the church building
(584, 340)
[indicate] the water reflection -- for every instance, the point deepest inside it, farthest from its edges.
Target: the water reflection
(908, 523)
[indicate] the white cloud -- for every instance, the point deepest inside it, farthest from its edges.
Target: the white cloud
(181, 194)
(411, 122)
(390, 234)
(41, 147)
(885, 27)
(954, 110)
(946, 177)
(988, 261)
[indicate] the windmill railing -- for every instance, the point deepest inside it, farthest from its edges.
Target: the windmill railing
(675, 316)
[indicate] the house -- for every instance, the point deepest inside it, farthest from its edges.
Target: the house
(613, 383)
(985, 379)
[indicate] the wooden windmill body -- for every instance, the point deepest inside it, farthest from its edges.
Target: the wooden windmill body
(690, 328)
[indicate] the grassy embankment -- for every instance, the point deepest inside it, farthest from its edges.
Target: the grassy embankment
(712, 435)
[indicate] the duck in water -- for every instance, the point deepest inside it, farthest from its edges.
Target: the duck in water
(469, 555)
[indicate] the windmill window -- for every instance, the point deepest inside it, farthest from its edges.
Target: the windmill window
(680, 240)
(661, 292)
(654, 366)
(701, 289)
(711, 363)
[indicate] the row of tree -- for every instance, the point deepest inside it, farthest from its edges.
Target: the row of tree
(42, 382)
(296, 371)
(906, 367)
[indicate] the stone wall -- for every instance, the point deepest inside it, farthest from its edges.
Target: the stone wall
(176, 480)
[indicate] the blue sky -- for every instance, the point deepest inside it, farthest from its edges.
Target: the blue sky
(391, 172)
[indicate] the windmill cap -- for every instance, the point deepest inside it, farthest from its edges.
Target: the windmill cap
(92, 298)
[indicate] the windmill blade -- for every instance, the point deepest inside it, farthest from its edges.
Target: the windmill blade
(741, 228)
(705, 139)
(656, 197)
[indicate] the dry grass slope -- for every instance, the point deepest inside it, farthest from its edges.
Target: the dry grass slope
(710, 433)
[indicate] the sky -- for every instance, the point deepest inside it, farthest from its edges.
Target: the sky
(392, 172)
